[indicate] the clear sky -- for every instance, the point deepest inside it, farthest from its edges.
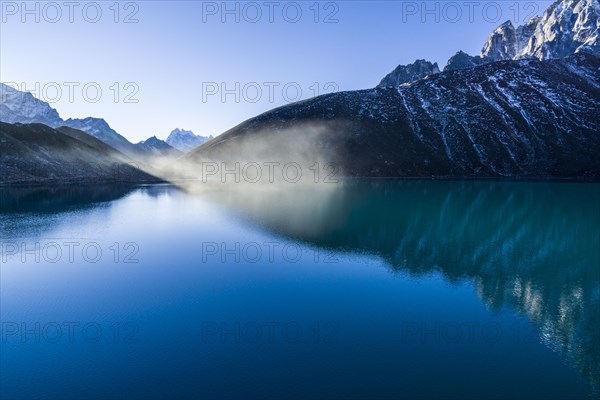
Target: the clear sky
(148, 67)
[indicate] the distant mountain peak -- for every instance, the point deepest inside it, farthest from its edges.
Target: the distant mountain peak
(502, 43)
(157, 147)
(23, 107)
(462, 60)
(409, 73)
(100, 129)
(184, 140)
(92, 121)
(151, 138)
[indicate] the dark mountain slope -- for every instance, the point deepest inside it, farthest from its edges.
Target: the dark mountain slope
(521, 119)
(36, 153)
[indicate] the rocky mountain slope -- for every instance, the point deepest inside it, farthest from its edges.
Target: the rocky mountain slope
(567, 27)
(409, 73)
(518, 119)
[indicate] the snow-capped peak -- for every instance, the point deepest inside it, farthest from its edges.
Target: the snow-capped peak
(23, 107)
(184, 140)
(502, 43)
(567, 27)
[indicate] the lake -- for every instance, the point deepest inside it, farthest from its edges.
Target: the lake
(354, 289)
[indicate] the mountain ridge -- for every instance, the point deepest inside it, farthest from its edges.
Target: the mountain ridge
(492, 121)
(23, 107)
(566, 27)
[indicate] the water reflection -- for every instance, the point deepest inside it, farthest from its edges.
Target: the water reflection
(34, 210)
(533, 247)
(53, 199)
(529, 247)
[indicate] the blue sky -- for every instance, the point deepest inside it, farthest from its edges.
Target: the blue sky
(148, 67)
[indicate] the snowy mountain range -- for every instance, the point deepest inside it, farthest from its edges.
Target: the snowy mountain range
(567, 27)
(185, 141)
(22, 107)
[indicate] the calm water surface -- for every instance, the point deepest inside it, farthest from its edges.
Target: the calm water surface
(362, 289)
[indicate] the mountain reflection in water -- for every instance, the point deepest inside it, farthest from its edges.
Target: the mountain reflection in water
(534, 247)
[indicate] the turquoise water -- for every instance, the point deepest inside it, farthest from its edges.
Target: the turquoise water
(360, 289)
